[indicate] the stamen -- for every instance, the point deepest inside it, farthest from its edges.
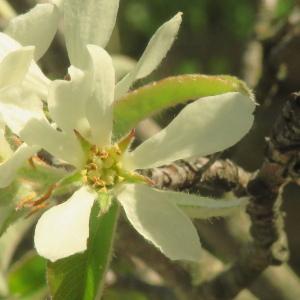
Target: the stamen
(92, 166)
(36, 209)
(25, 201)
(103, 154)
(30, 203)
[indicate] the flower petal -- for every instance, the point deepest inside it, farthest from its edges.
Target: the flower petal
(9, 168)
(208, 125)
(35, 79)
(160, 221)
(122, 64)
(100, 105)
(15, 65)
(23, 113)
(67, 102)
(88, 22)
(18, 107)
(37, 27)
(7, 44)
(60, 144)
(154, 53)
(63, 230)
(203, 207)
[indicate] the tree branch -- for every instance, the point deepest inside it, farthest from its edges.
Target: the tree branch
(269, 246)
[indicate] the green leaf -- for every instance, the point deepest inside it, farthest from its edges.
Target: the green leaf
(27, 275)
(81, 276)
(150, 99)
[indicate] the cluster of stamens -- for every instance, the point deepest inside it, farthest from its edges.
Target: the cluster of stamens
(103, 169)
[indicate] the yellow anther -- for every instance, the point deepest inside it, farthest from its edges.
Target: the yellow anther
(92, 166)
(103, 154)
(104, 167)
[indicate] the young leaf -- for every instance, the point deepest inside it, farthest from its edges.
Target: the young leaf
(150, 99)
(81, 276)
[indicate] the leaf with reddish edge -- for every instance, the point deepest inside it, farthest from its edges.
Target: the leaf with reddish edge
(150, 99)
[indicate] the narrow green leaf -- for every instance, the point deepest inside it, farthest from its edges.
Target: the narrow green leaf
(81, 276)
(150, 99)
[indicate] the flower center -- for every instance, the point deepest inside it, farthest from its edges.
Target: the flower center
(104, 168)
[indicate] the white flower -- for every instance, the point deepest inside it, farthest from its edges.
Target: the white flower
(21, 80)
(35, 28)
(83, 110)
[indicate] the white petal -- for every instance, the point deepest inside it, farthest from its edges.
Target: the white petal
(155, 52)
(67, 102)
(35, 79)
(15, 65)
(7, 44)
(60, 144)
(88, 22)
(160, 221)
(37, 27)
(208, 125)
(203, 207)
(9, 168)
(23, 113)
(64, 229)
(100, 105)
(18, 107)
(122, 64)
